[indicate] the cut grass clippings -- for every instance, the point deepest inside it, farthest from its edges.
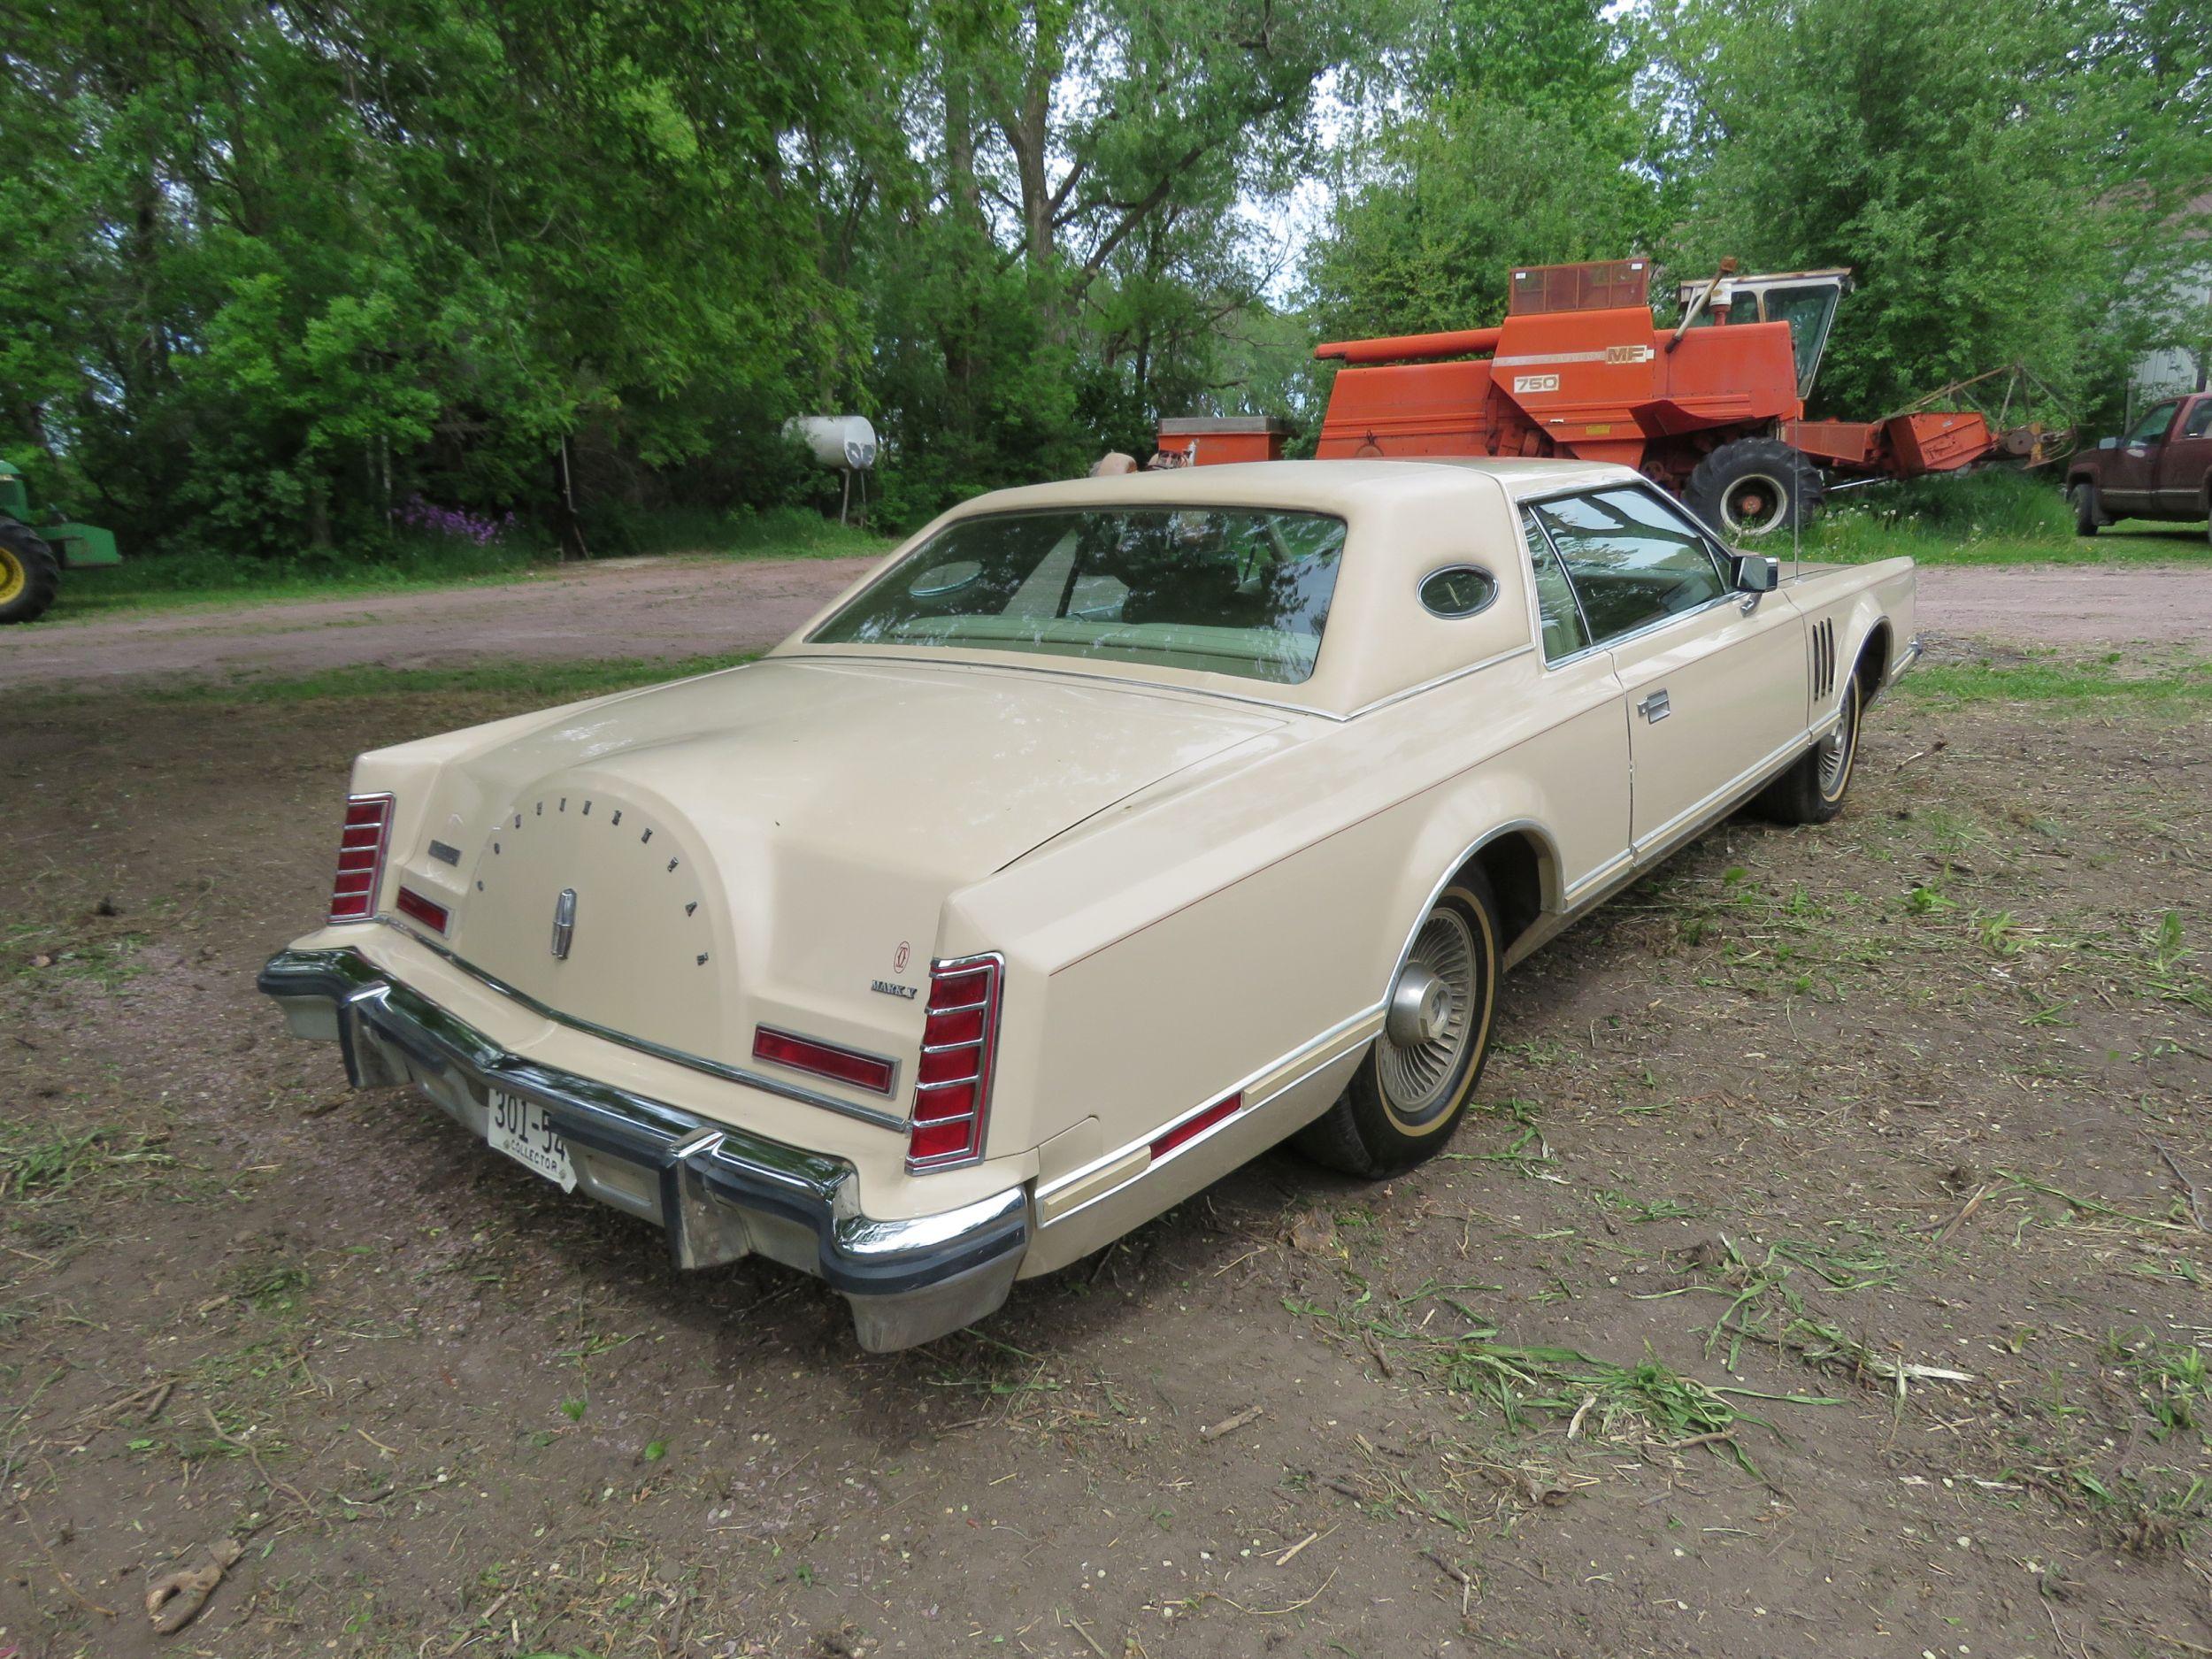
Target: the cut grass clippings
(1646, 1401)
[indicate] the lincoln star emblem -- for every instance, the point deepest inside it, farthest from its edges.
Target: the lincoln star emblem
(564, 921)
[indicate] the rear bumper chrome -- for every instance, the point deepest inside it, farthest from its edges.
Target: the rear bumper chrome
(718, 1192)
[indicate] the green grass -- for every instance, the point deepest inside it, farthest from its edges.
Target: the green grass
(782, 532)
(542, 682)
(1999, 517)
(414, 565)
(2082, 685)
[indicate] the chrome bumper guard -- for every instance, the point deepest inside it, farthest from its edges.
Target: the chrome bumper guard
(719, 1192)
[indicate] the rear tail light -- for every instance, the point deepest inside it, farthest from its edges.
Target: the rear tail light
(952, 1085)
(429, 913)
(361, 857)
(823, 1059)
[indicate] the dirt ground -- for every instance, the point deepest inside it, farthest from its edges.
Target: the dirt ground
(1822, 1274)
(668, 608)
(673, 609)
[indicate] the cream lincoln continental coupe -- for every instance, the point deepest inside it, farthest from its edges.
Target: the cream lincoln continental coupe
(1106, 834)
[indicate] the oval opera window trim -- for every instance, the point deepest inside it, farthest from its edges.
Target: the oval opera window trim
(1458, 591)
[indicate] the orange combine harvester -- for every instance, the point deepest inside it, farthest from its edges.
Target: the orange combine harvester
(1712, 408)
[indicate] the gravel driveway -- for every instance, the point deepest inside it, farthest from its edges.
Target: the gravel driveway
(680, 608)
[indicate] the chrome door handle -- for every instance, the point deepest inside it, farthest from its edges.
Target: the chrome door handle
(1655, 707)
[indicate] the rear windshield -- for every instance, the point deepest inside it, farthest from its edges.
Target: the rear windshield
(1223, 590)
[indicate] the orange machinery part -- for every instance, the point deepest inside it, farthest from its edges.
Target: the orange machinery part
(1458, 343)
(1938, 441)
(1904, 446)
(1601, 385)
(1569, 373)
(1853, 443)
(1217, 439)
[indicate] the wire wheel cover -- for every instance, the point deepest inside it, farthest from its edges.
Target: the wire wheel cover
(1418, 1079)
(1835, 749)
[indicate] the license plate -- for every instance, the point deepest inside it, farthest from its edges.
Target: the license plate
(520, 1129)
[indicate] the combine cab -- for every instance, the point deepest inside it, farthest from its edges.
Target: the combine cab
(1712, 408)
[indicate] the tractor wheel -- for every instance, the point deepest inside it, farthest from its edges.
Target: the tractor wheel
(2087, 517)
(30, 573)
(1755, 485)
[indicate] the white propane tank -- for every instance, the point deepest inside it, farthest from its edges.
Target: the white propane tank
(845, 443)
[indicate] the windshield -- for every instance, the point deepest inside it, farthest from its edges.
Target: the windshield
(1808, 311)
(1223, 590)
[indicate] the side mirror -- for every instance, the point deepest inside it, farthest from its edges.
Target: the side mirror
(2108, 443)
(1756, 573)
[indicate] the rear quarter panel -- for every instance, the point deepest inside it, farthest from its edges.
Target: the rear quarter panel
(1243, 932)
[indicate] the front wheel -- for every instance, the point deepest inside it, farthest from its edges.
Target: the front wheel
(1412, 1087)
(2084, 495)
(1812, 790)
(30, 573)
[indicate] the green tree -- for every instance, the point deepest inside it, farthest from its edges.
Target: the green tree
(1075, 247)
(1514, 140)
(1989, 173)
(310, 261)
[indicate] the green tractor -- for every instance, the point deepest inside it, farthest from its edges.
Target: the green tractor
(32, 559)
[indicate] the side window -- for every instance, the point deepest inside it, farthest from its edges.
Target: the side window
(2151, 426)
(1563, 632)
(2200, 421)
(1632, 560)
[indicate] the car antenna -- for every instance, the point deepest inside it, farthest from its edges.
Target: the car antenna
(1797, 542)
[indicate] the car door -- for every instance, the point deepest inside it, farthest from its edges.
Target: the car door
(2184, 463)
(1716, 681)
(1587, 744)
(2128, 480)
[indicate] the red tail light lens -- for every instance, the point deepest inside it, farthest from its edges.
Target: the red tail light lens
(823, 1059)
(429, 913)
(952, 1087)
(368, 832)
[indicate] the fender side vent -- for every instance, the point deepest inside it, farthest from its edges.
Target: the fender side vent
(1824, 646)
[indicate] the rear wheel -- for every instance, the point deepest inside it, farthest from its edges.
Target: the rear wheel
(1754, 486)
(2084, 495)
(1812, 791)
(1412, 1087)
(30, 573)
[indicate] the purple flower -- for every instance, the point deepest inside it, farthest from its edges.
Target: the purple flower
(429, 519)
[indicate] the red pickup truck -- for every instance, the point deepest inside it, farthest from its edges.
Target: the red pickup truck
(2161, 468)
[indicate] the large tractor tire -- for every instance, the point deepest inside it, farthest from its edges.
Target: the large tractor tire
(30, 573)
(1754, 486)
